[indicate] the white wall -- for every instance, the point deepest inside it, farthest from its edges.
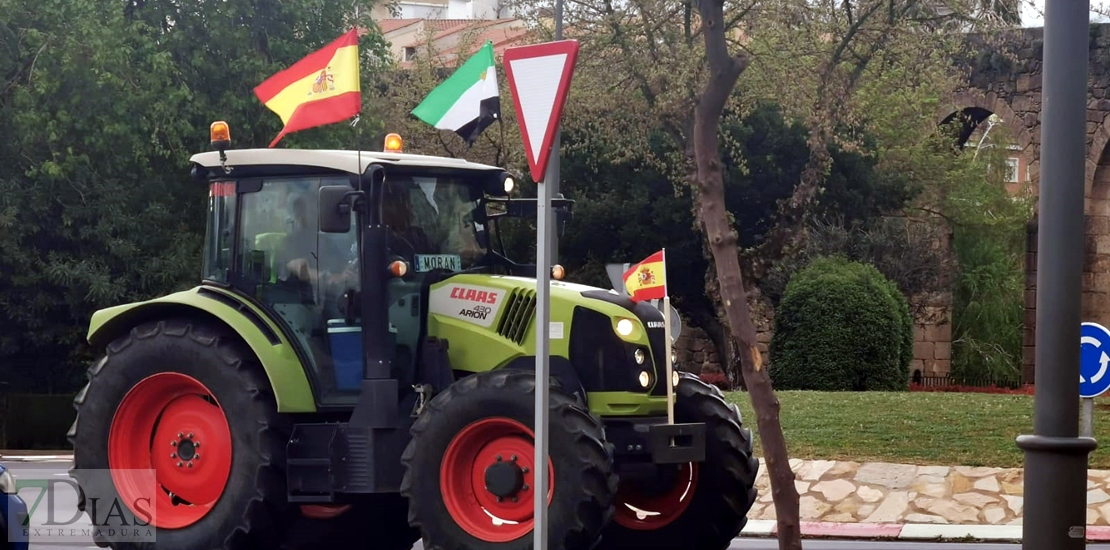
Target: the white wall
(458, 9)
(488, 9)
(421, 10)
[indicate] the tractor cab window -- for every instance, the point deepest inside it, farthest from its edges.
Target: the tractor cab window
(431, 222)
(292, 269)
(218, 232)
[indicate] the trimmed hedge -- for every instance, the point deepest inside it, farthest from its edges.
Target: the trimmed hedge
(841, 326)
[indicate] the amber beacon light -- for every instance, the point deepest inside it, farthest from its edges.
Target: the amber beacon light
(393, 143)
(221, 135)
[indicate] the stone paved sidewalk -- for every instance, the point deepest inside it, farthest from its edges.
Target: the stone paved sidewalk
(851, 492)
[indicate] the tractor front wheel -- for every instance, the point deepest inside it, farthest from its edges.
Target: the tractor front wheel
(178, 440)
(471, 477)
(696, 506)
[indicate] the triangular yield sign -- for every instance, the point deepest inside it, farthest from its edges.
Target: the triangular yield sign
(539, 76)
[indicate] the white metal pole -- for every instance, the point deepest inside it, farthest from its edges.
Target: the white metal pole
(667, 352)
(669, 345)
(1087, 416)
(543, 348)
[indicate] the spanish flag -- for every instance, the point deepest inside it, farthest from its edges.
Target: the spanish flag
(323, 88)
(647, 280)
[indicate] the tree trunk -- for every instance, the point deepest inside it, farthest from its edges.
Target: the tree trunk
(724, 72)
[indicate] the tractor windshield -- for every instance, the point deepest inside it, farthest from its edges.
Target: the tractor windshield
(432, 222)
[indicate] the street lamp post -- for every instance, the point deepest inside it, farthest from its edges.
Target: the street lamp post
(1055, 455)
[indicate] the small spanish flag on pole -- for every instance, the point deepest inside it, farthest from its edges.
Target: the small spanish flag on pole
(322, 88)
(647, 280)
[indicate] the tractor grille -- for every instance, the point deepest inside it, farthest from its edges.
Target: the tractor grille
(520, 305)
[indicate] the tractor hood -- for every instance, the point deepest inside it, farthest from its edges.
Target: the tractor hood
(490, 320)
(487, 300)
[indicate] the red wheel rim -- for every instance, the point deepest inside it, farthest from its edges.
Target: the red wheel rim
(462, 479)
(169, 437)
(636, 510)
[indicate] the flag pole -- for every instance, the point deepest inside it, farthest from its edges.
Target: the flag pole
(667, 352)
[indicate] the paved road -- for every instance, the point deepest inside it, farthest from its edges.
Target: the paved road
(65, 507)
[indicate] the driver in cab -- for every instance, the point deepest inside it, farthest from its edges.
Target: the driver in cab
(405, 240)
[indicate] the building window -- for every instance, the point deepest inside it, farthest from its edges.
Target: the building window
(1011, 170)
(410, 53)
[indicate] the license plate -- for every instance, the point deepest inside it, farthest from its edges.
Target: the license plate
(428, 262)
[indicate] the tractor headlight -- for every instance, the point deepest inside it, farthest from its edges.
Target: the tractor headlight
(7, 483)
(674, 356)
(625, 327)
(675, 378)
(639, 356)
(645, 379)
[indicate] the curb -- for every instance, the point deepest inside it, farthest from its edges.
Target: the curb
(908, 531)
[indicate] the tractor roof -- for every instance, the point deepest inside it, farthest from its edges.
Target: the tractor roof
(342, 160)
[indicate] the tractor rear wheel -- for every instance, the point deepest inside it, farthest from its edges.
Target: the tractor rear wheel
(177, 433)
(470, 472)
(702, 506)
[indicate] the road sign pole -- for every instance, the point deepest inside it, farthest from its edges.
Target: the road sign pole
(534, 72)
(1055, 457)
(543, 335)
(1087, 417)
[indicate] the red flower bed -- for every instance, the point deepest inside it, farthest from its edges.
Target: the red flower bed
(1026, 389)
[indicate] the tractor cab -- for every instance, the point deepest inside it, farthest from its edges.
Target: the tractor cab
(283, 228)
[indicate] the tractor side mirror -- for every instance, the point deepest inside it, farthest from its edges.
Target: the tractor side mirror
(335, 209)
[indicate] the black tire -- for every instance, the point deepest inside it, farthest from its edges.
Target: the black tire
(252, 509)
(581, 461)
(725, 487)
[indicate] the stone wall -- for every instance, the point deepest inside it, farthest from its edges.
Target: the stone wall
(932, 348)
(1007, 80)
(932, 335)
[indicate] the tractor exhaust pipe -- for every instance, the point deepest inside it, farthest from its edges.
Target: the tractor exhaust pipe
(374, 295)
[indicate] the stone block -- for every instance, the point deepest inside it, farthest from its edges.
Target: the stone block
(891, 476)
(918, 333)
(938, 333)
(1028, 355)
(941, 366)
(1024, 83)
(942, 350)
(1030, 298)
(923, 350)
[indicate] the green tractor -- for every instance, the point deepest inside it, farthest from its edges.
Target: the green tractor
(356, 368)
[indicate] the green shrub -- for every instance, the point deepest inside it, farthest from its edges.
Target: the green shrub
(841, 326)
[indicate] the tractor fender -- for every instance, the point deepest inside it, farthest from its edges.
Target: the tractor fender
(559, 368)
(274, 351)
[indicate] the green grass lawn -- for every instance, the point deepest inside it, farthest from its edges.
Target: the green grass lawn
(913, 427)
